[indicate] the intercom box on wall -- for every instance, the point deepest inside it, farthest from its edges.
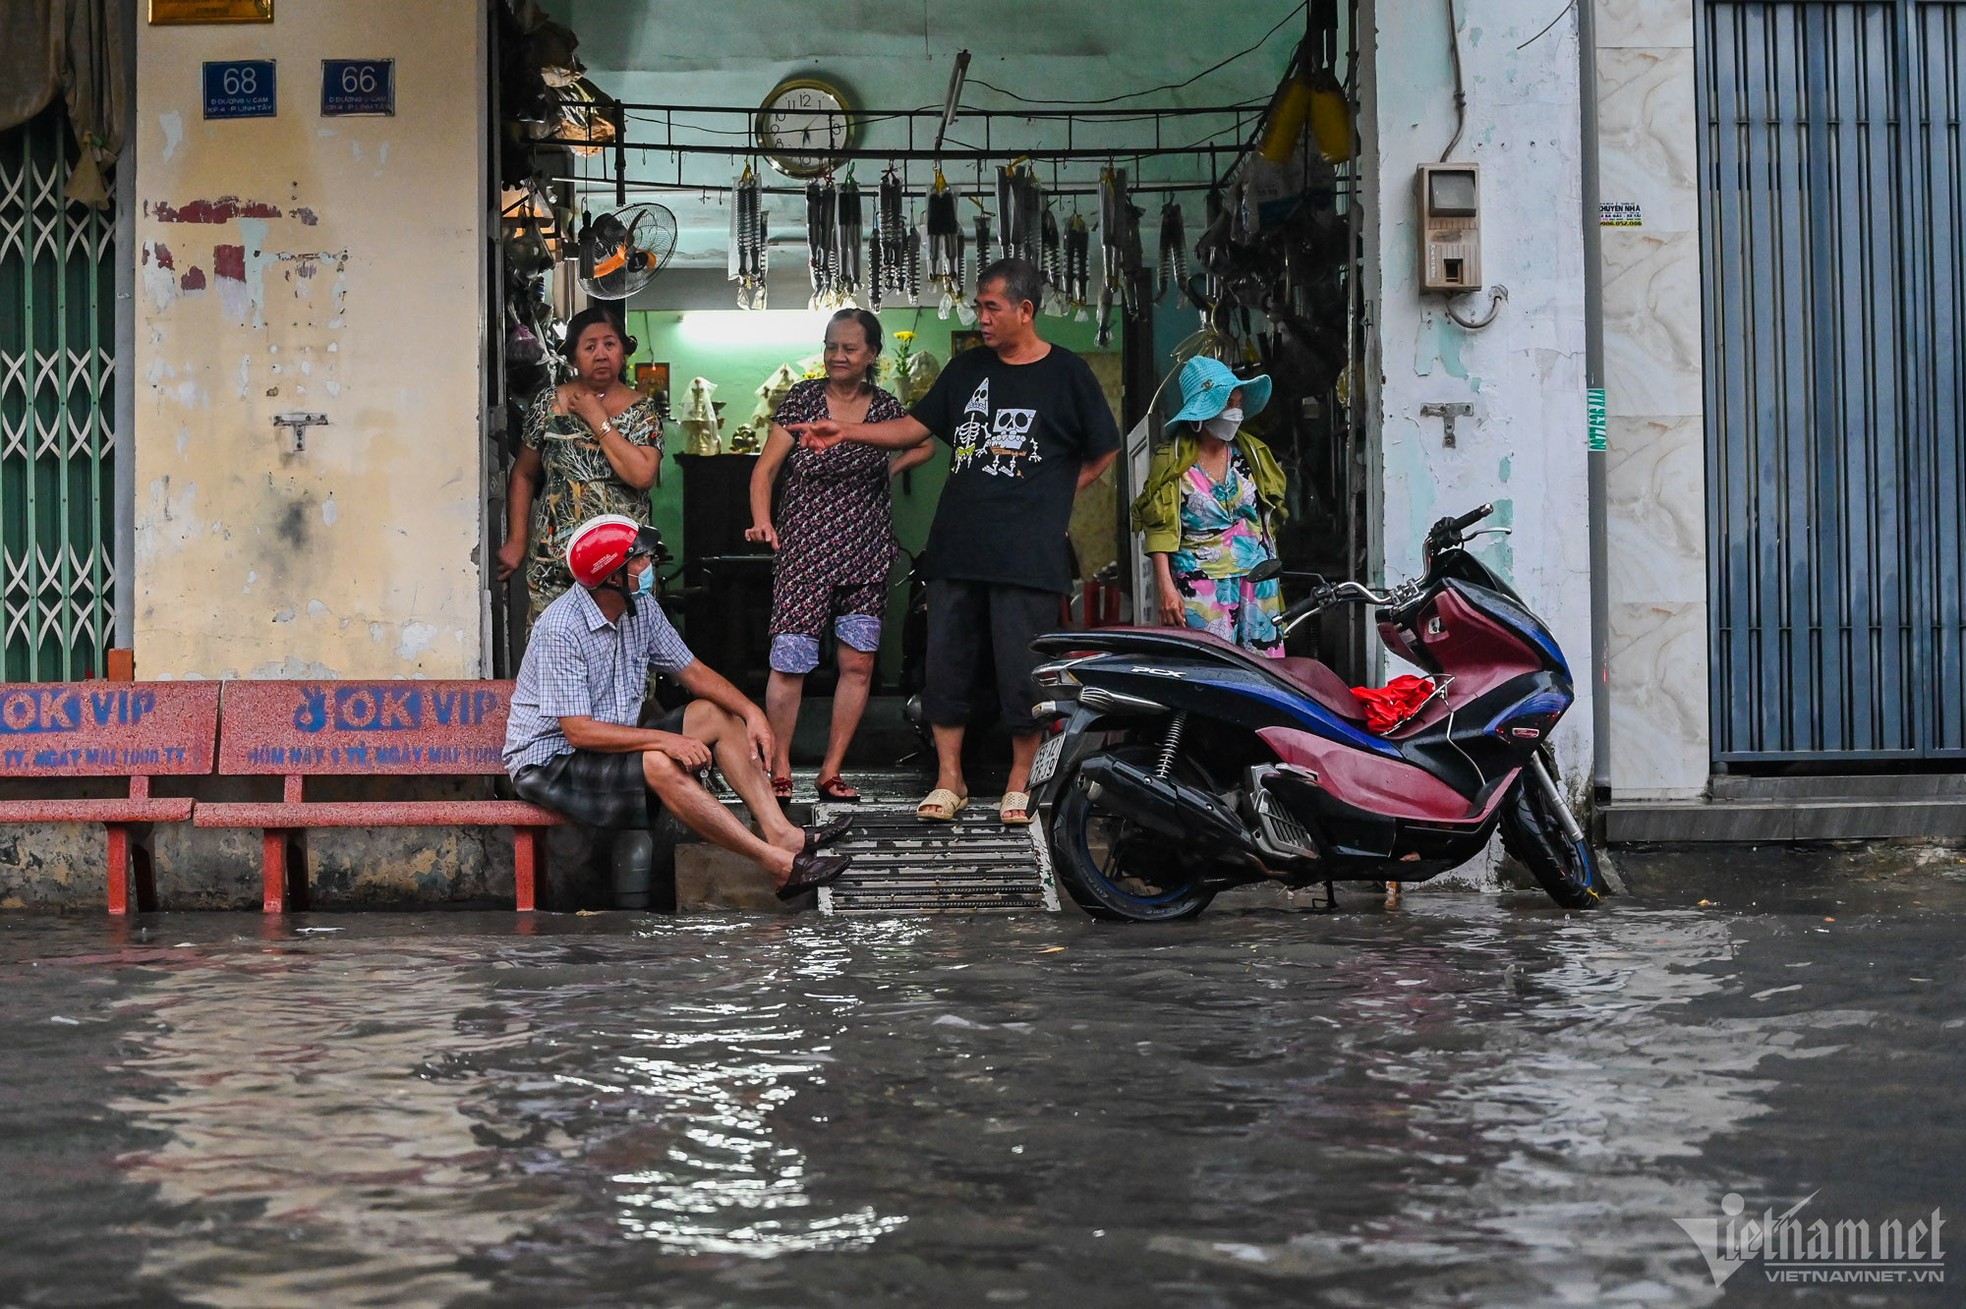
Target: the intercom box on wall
(1450, 227)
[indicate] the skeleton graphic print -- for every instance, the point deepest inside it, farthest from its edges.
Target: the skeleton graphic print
(1017, 434)
(1001, 437)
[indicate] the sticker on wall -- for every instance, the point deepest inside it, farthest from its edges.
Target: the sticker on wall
(1619, 213)
(240, 88)
(172, 13)
(358, 86)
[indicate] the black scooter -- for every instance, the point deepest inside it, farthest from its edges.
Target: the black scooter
(1187, 765)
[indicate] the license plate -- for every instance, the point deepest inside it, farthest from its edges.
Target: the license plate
(1047, 761)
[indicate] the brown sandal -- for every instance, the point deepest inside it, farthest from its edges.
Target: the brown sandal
(781, 787)
(832, 788)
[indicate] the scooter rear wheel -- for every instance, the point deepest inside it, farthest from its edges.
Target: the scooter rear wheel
(1117, 870)
(1535, 838)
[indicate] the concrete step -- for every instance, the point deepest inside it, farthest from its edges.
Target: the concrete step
(1775, 821)
(902, 865)
(1850, 787)
(710, 879)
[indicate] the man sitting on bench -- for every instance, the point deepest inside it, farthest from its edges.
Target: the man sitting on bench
(571, 740)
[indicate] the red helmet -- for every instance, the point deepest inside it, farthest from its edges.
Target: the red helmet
(599, 546)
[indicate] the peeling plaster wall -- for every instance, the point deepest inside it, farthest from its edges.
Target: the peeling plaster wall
(1525, 446)
(1661, 730)
(302, 263)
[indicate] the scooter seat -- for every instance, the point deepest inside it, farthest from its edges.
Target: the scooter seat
(1322, 685)
(1306, 676)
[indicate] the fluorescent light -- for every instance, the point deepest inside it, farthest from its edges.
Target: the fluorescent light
(801, 329)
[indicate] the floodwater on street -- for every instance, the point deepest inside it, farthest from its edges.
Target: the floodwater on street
(1469, 1099)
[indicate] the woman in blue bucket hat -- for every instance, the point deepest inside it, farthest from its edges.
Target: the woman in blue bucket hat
(1213, 497)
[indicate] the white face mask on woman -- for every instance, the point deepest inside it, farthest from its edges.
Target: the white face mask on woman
(1223, 426)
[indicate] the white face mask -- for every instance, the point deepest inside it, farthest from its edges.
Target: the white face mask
(1223, 426)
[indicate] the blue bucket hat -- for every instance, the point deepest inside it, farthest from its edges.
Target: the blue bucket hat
(1206, 385)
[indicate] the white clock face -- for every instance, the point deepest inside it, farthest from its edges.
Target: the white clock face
(801, 127)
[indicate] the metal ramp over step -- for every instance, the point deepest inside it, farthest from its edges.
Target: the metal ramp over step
(902, 865)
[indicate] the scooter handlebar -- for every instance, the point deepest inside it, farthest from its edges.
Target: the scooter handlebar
(1469, 519)
(1331, 593)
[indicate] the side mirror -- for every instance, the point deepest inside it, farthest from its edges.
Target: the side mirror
(1268, 569)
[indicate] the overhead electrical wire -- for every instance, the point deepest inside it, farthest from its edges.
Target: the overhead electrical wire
(1152, 90)
(1545, 30)
(1460, 88)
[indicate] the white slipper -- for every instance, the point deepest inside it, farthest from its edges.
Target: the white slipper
(941, 806)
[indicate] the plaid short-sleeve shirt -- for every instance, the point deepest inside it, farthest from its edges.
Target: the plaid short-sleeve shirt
(580, 665)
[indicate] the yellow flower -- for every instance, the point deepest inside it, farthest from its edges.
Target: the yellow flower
(904, 337)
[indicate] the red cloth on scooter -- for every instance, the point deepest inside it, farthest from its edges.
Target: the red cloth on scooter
(1386, 707)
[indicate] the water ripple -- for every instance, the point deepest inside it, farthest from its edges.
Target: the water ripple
(1467, 1101)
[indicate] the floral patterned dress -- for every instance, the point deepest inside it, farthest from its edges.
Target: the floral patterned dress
(835, 522)
(1222, 539)
(835, 536)
(580, 483)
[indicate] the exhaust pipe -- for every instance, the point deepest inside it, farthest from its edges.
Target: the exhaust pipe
(1184, 814)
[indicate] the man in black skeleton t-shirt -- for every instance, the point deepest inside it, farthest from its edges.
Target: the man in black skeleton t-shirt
(1028, 428)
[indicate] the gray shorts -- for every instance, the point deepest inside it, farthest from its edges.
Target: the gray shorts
(596, 789)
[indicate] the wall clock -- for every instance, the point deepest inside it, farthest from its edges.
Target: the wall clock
(802, 125)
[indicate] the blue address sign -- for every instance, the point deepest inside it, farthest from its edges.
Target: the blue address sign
(240, 88)
(358, 86)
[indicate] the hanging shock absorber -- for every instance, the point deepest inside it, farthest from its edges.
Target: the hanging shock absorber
(1170, 745)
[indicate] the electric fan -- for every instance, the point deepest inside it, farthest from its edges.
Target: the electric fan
(621, 252)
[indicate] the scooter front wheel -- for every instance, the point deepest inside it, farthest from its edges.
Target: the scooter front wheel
(1116, 869)
(1534, 834)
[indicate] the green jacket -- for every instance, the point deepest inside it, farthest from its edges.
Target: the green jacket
(1157, 512)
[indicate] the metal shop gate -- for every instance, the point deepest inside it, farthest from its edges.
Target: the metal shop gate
(57, 346)
(1832, 209)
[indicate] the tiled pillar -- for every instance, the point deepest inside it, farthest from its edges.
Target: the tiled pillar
(1660, 729)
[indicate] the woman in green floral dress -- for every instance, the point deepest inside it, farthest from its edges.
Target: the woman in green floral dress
(592, 446)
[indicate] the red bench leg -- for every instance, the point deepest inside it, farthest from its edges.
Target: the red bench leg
(528, 866)
(282, 872)
(129, 864)
(273, 872)
(119, 869)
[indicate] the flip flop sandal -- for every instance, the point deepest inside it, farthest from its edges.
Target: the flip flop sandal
(1015, 802)
(832, 788)
(818, 838)
(812, 871)
(941, 806)
(781, 787)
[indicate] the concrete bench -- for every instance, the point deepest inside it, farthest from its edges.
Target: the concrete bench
(297, 730)
(138, 730)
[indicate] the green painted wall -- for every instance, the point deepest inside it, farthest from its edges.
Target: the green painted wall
(739, 350)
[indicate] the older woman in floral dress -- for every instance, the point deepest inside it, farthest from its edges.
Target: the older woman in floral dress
(834, 534)
(592, 447)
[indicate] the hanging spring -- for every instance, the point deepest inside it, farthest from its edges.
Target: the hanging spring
(1170, 745)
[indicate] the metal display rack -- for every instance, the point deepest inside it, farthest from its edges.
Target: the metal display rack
(685, 140)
